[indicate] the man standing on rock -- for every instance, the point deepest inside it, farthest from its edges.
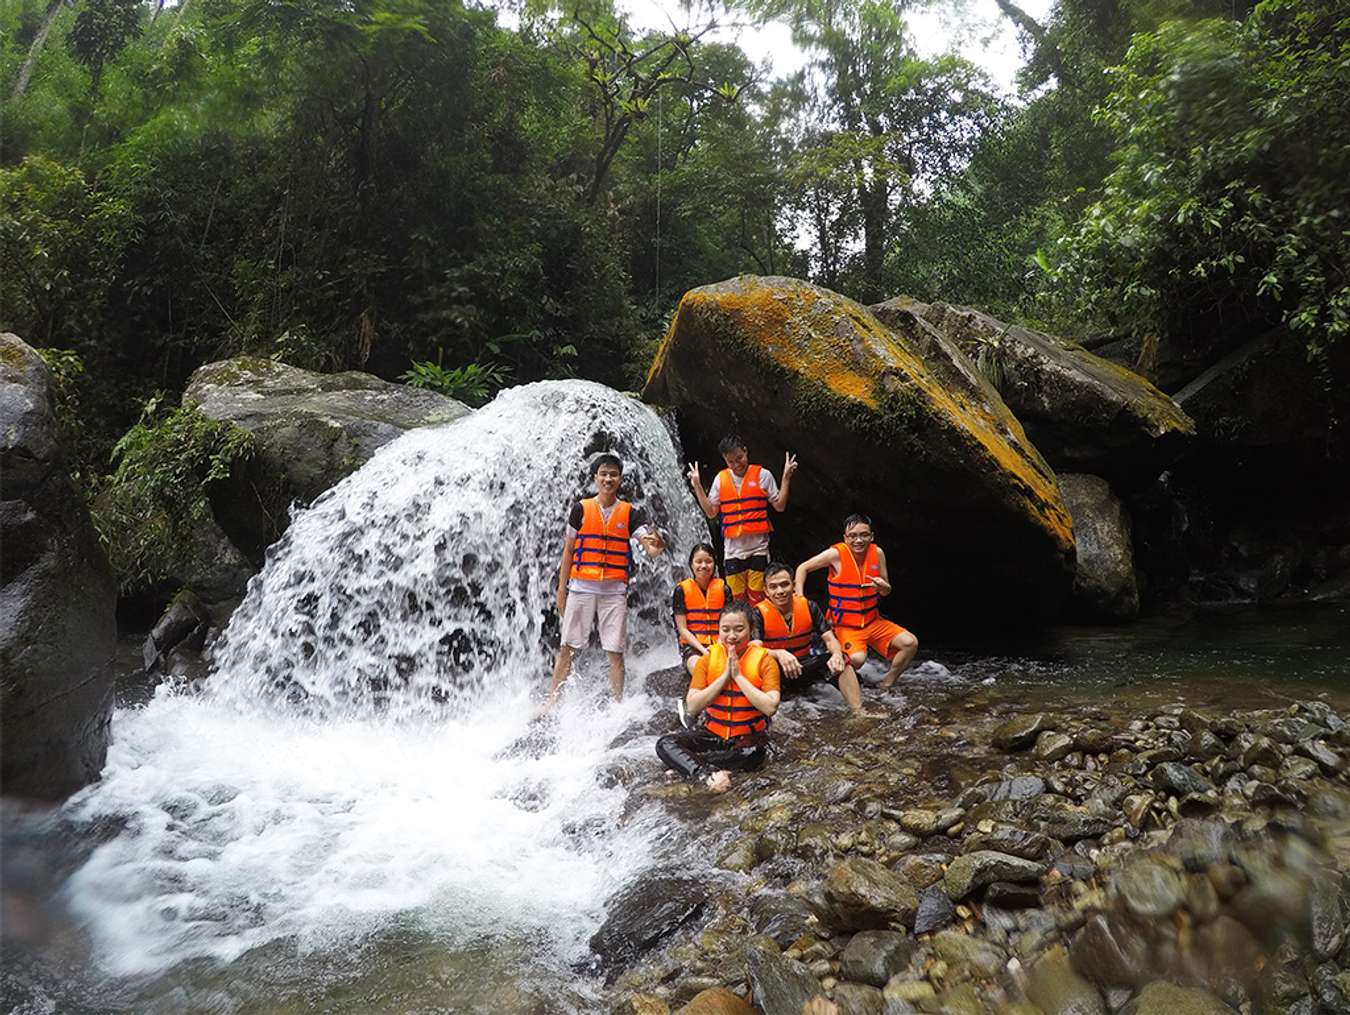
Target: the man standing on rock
(857, 577)
(742, 494)
(593, 573)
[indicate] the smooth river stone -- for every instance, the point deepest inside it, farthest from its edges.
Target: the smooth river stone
(866, 895)
(1018, 732)
(780, 984)
(1021, 787)
(874, 956)
(972, 871)
(1163, 998)
(1175, 778)
(1149, 889)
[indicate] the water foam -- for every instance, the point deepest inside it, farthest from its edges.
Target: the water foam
(350, 768)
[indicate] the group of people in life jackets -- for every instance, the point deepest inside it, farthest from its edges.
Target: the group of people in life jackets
(743, 637)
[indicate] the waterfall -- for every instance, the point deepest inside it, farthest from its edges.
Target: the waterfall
(348, 770)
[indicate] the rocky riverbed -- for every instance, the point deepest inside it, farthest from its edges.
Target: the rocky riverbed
(1166, 853)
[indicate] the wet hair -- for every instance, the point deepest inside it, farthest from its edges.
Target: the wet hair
(855, 518)
(705, 548)
(731, 442)
(739, 606)
(774, 567)
(606, 459)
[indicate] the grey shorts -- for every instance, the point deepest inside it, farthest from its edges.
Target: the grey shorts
(586, 609)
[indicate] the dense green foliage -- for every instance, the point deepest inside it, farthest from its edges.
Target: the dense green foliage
(413, 188)
(149, 511)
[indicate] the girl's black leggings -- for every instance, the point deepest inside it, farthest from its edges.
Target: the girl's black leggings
(698, 753)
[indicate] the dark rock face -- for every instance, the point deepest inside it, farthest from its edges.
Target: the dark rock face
(1104, 585)
(874, 956)
(311, 430)
(781, 985)
(1086, 414)
(57, 601)
(794, 366)
(641, 915)
(935, 910)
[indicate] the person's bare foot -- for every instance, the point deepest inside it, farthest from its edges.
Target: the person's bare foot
(864, 713)
(819, 1005)
(718, 782)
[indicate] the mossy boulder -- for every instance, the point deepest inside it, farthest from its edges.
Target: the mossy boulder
(311, 431)
(1105, 586)
(57, 599)
(969, 513)
(1084, 413)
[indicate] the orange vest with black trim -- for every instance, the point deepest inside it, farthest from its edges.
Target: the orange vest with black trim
(701, 611)
(776, 633)
(746, 512)
(731, 714)
(602, 552)
(853, 599)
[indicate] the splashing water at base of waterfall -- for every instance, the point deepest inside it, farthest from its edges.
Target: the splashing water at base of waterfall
(363, 759)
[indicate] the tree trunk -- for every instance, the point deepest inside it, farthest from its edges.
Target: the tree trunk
(39, 40)
(1044, 46)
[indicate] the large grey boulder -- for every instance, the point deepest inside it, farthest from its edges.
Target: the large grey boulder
(310, 429)
(57, 599)
(1104, 584)
(1084, 413)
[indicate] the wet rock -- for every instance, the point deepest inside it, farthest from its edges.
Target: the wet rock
(919, 822)
(1022, 787)
(901, 995)
(1054, 987)
(1104, 585)
(1110, 952)
(874, 956)
(740, 855)
(1263, 751)
(1011, 840)
(1174, 777)
(310, 430)
(785, 918)
(1294, 730)
(959, 949)
(865, 895)
(1149, 889)
(1326, 922)
(1228, 879)
(1070, 825)
(1052, 746)
(1006, 895)
(1018, 732)
(923, 869)
(814, 371)
(935, 910)
(642, 915)
(972, 871)
(57, 599)
(900, 842)
(717, 1001)
(1136, 807)
(1294, 768)
(1076, 868)
(1204, 745)
(1202, 901)
(779, 984)
(1093, 740)
(859, 999)
(1163, 998)
(1318, 751)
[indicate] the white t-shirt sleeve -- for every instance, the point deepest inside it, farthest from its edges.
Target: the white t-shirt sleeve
(768, 484)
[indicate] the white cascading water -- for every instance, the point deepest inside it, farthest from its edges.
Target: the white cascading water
(349, 768)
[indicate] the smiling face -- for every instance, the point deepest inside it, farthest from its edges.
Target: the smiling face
(733, 630)
(778, 590)
(738, 460)
(607, 480)
(702, 566)
(857, 536)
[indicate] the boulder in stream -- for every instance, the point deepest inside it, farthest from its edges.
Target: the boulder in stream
(1104, 585)
(57, 599)
(311, 430)
(792, 366)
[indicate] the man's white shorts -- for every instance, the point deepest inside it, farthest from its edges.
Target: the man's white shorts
(584, 608)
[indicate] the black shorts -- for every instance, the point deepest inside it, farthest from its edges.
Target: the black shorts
(734, 565)
(814, 667)
(688, 652)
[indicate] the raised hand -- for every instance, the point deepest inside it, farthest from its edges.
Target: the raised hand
(789, 464)
(693, 475)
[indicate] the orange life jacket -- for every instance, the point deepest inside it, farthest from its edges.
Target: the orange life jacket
(853, 599)
(701, 611)
(731, 714)
(602, 552)
(776, 633)
(744, 513)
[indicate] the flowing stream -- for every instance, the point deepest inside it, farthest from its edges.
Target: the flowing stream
(361, 765)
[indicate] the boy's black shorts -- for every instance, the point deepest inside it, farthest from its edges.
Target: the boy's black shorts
(814, 667)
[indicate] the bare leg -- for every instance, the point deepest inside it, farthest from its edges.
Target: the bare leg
(849, 688)
(690, 663)
(616, 674)
(561, 669)
(905, 645)
(857, 659)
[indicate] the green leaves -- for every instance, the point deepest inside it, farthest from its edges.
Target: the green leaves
(473, 383)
